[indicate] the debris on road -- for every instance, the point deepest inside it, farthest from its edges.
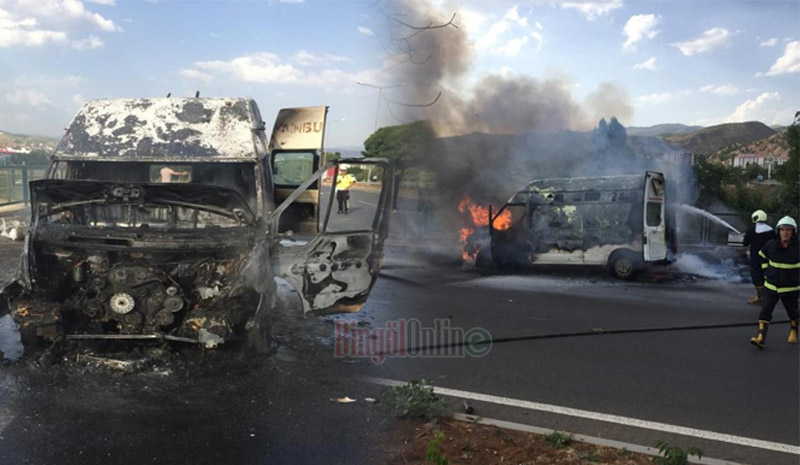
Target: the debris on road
(106, 362)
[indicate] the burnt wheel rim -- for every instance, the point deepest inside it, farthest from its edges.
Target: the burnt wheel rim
(623, 266)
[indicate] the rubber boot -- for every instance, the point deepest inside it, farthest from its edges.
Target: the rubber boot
(793, 332)
(760, 339)
(759, 296)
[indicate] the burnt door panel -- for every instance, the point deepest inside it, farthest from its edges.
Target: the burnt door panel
(334, 271)
(655, 241)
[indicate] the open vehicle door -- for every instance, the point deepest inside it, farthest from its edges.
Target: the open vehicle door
(295, 151)
(334, 270)
(655, 241)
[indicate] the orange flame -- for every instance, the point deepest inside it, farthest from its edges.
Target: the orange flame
(480, 215)
(480, 218)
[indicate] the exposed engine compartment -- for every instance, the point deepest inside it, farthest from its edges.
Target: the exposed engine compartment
(128, 294)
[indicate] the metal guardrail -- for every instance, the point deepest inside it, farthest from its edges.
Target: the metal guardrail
(14, 182)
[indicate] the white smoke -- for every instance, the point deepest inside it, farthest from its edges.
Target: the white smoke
(725, 270)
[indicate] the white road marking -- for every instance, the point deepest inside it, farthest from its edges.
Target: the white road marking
(620, 420)
(370, 204)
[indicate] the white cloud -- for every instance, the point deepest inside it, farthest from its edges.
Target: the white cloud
(593, 9)
(38, 94)
(492, 36)
(78, 99)
(90, 42)
(757, 109)
(707, 41)
(770, 43)
(539, 39)
(649, 64)
(196, 75)
(366, 31)
(655, 98)
(30, 38)
(263, 68)
(727, 89)
(638, 27)
(35, 23)
(512, 47)
(538, 25)
(506, 71)
(471, 20)
(103, 2)
(789, 62)
(493, 40)
(269, 68)
(513, 16)
(42, 82)
(304, 58)
(766, 108)
(27, 97)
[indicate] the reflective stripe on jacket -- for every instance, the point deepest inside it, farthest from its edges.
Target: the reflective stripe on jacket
(781, 266)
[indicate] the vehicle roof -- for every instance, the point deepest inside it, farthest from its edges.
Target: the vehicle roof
(625, 181)
(164, 129)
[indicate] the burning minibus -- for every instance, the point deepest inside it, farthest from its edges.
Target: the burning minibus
(614, 221)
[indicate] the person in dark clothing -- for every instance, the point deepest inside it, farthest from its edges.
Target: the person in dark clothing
(757, 237)
(780, 260)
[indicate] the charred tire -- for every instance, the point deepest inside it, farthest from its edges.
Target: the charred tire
(624, 264)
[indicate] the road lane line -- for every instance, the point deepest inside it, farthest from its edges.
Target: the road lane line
(370, 204)
(617, 419)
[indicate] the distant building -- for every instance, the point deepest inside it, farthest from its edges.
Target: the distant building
(764, 161)
(12, 150)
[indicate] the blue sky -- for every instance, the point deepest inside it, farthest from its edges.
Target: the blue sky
(698, 62)
(672, 61)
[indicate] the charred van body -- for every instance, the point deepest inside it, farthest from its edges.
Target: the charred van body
(158, 219)
(619, 221)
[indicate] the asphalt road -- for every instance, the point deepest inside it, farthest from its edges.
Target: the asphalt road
(709, 379)
(216, 407)
(361, 213)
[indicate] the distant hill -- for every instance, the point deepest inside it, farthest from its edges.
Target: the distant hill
(346, 151)
(19, 141)
(774, 145)
(661, 129)
(711, 139)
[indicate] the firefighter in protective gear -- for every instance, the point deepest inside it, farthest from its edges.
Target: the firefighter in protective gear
(343, 184)
(780, 260)
(757, 237)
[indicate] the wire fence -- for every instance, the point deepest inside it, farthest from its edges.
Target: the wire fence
(14, 182)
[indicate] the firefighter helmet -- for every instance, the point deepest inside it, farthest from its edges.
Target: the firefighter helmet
(787, 221)
(759, 216)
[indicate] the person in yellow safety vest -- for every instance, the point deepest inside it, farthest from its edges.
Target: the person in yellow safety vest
(780, 260)
(343, 184)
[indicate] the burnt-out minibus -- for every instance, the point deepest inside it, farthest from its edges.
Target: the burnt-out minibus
(614, 221)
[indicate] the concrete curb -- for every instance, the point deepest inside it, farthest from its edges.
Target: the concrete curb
(637, 448)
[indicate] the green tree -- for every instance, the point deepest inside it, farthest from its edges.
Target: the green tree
(752, 171)
(712, 178)
(331, 156)
(407, 144)
(790, 172)
(35, 157)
